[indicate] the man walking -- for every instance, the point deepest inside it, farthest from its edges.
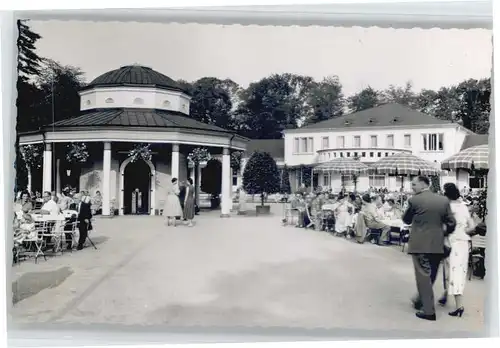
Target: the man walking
(431, 220)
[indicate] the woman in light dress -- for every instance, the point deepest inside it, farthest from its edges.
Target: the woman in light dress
(242, 201)
(457, 263)
(189, 202)
(172, 204)
(343, 218)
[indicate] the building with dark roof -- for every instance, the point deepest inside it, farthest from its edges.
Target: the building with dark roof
(131, 113)
(369, 136)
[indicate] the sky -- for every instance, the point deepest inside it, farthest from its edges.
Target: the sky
(360, 57)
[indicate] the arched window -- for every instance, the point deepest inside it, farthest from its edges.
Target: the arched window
(139, 101)
(109, 101)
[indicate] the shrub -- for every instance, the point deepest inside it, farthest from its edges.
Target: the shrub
(261, 175)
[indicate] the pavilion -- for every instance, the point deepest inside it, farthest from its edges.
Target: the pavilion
(120, 110)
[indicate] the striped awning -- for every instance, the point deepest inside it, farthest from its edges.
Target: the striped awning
(405, 164)
(343, 165)
(475, 157)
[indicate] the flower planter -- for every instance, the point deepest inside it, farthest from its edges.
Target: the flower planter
(263, 209)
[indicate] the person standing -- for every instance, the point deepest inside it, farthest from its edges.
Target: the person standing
(189, 202)
(431, 219)
(172, 205)
(83, 218)
(457, 264)
(182, 197)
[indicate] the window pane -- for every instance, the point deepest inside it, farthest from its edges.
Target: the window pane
(326, 144)
(357, 141)
(326, 181)
(390, 141)
(310, 145)
(441, 142)
(407, 140)
(424, 141)
(296, 145)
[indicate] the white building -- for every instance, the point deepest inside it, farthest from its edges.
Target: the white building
(371, 135)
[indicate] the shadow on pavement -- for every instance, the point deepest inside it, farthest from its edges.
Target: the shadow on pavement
(31, 283)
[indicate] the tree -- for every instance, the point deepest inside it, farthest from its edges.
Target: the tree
(475, 104)
(261, 175)
(211, 181)
(326, 100)
(273, 104)
(28, 66)
(211, 102)
(401, 95)
(285, 187)
(28, 61)
(60, 85)
(366, 99)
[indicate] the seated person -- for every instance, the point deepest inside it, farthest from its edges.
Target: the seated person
(49, 206)
(373, 219)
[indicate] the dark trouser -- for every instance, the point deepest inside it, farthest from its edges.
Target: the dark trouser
(83, 228)
(426, 269)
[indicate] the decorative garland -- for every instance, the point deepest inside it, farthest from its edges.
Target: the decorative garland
(198, 155)
(77, 153)
(141, 151)
(32, 155)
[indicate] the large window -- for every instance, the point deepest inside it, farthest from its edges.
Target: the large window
(326, 180)
(377, 181)
(433, 142)
(407, 140)
(303, 145)
(325, 143)
(390, 141)
(373, 141)
(340, 142)
(357, 141)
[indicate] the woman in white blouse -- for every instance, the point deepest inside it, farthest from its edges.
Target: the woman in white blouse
(457, 263)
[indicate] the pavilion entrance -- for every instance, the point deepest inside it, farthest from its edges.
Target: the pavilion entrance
(137, 188)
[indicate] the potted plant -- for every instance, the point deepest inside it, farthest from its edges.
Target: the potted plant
(262, 177)
(211, 181)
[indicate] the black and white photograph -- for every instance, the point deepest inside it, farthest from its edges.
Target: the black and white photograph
(181, 175)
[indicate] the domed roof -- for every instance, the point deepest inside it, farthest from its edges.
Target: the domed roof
(134, 75)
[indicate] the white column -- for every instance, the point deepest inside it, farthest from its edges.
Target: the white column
(175, 161)
(198, 183)
(47, 168)
(106, 179)
(29, 179)
(226, 184)
(58, 175)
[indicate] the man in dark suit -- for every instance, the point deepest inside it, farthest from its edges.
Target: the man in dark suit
(431, 220)
(83, 218)
(182, 197)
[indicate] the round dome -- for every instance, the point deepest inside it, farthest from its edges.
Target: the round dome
(134, 75)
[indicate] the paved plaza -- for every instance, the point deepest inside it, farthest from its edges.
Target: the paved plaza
(242, 271)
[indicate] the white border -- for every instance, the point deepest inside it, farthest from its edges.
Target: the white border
(423, 14)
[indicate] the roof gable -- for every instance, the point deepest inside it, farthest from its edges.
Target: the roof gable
(474, 140)
(385, 115)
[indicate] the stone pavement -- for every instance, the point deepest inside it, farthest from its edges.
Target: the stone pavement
(241, 271)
